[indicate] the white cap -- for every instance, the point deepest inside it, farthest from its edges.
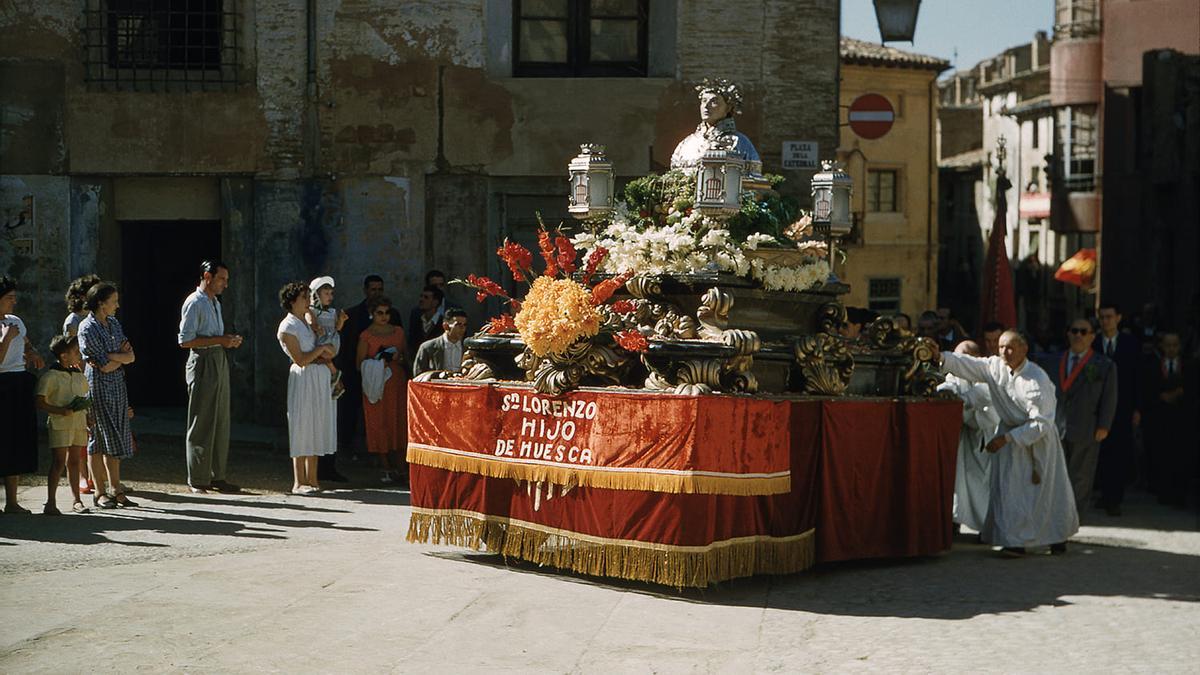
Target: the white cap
(316, 285)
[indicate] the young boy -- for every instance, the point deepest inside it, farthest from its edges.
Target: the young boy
(62, 393)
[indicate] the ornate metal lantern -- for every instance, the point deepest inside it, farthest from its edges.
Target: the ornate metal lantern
(831, 206)
(719, 183)
(897, 19)
(591, 178)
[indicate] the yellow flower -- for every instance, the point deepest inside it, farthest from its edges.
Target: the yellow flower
(554, 314)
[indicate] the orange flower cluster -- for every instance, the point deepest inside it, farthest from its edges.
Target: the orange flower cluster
(604, 290)
(484, 287)
(556, 313)
(518, 258)
(632, 341)
(501, 324)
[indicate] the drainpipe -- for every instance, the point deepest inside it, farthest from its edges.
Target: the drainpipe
(930, 199)
(312, 123)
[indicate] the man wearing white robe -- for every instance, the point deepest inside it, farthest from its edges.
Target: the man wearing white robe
(973, 476)
(1032, 503)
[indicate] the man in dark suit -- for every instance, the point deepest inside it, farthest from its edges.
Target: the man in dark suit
(1168, 403)
(425, 320)
(1086, 388)
(1116, 452)
(350, 405)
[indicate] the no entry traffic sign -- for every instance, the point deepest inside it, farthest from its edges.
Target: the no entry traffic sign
(871, 116)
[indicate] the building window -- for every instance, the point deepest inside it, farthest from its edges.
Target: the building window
(1076, 18)
(1034, 136)
(579, 38)
(881, 191)
(883, 295)
(161, 45)
(1077, 129)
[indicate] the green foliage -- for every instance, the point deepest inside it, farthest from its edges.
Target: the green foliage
(652, 198)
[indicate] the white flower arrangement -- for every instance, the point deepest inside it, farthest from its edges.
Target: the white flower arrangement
(691, 243)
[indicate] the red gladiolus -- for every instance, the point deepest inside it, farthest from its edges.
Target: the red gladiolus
(594, 259)
(518, 258)
(485, 287)
(624, 307)
(604, 290)
(566, 254)
(501, 324)
(632, 341)
(515, 305)
(548, 253)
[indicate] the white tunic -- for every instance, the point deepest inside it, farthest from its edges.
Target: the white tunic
(311, 410)
(1023, 513)
(973, 477)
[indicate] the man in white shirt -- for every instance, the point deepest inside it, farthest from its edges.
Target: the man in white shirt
(1032, 503)
(445, 351)
(973, 473)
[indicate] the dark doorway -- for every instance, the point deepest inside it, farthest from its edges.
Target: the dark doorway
(159, 268)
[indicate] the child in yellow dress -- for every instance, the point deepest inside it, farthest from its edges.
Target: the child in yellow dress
(62, 393)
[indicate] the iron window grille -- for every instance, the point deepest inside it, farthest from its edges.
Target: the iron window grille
(580, 38)
(883, 294)
(161, 45)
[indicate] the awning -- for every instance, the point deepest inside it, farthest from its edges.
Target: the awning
(1079, 269)
(1035, 205)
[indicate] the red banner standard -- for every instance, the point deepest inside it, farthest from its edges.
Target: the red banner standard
(623, 440)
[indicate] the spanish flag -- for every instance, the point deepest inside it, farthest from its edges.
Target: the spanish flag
(1079, 269)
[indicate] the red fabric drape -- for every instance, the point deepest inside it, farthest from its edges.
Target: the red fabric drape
(998, 302)
(886, 481)
(874, 477)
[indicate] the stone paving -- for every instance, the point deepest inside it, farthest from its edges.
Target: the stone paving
(273, 583)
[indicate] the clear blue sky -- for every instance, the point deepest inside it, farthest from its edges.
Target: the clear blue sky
(977, 29)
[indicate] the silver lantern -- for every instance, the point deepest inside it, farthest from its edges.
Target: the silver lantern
(719, 183)
(591, 178)
(831, 206)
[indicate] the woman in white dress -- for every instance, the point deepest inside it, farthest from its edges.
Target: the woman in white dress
(311, 412)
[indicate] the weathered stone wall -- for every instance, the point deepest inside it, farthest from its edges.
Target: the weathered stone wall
(377, 137)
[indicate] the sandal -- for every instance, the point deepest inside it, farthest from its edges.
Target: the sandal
(78, 507)
(105, 502)
(124, 502)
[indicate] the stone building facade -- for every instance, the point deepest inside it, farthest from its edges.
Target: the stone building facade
(892, 261)
(301, 137)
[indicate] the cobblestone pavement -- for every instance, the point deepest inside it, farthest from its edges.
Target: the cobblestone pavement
(269, 583)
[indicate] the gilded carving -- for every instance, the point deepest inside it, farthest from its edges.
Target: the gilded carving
(825, 363)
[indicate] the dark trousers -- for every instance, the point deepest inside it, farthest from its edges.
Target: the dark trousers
(1116, 465)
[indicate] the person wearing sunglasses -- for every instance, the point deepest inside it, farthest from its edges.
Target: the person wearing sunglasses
(1085, 384)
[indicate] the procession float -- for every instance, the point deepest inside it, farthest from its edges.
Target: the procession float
(671, 401)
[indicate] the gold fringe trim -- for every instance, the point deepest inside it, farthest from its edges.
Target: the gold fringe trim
(689, 483)
(677, 566)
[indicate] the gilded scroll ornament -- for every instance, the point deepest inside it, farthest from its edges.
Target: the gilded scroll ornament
(825, 363)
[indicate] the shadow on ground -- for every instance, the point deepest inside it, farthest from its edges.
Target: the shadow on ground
(968, 581)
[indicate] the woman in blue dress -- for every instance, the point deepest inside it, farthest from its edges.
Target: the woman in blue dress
(107, 352)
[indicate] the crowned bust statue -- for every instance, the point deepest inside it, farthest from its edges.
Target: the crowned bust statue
(720, 100)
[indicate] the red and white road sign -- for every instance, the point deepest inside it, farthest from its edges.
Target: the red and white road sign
(871, 116)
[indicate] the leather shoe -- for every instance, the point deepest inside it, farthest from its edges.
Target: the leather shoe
(1059, 548)
(199, 489)
(1013, 551)
(225, 486)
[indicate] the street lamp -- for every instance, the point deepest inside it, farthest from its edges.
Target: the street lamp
(831, 207)
(897, 19)
(719, 183)
(591, 179)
